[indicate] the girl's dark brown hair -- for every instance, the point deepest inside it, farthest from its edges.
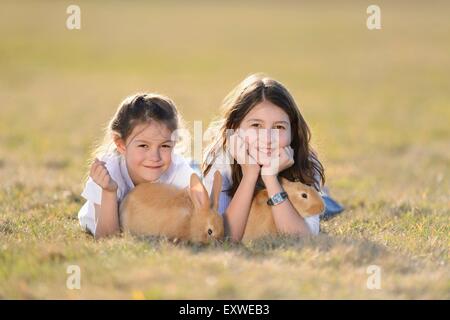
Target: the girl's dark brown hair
(238, 103)
(143, 108)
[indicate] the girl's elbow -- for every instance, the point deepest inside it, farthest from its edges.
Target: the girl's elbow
(234, 236)
(99, 234)
(305, 230)
(102, 233)
(231, 232)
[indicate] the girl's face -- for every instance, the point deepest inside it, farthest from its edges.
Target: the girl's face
(270, 122)
(148, 151)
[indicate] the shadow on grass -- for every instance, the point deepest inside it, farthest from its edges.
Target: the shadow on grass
(354, 251)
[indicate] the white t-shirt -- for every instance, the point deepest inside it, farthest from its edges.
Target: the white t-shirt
(222, 164)
(178, 174)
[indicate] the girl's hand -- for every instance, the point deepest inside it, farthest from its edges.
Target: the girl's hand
(101, 176)
(239, 150)
(280, 160)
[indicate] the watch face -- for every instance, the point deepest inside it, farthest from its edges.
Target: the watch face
(277, 198)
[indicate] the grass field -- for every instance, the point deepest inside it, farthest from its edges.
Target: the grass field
(377, 102)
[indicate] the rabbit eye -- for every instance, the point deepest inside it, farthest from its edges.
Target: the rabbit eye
(304, 195)
(210, 231)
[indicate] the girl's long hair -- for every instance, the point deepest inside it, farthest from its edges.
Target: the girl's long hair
(237, 104)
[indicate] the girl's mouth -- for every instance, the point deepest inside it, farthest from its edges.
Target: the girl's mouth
(153, 167)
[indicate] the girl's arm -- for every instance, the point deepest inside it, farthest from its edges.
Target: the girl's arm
(107, 213)
(286, 217)
(236, 215)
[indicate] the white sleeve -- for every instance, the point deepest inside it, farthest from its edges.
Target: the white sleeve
(313, 224)
(314, 221)
(92, 192)
(183, 174)
(86, 216)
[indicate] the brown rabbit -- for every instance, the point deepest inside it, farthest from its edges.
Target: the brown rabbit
(305, 199)
(165, 210)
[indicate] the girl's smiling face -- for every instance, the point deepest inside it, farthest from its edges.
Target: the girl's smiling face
(269, 121)
(148, 151)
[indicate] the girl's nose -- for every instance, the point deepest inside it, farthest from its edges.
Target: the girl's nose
(274, 137)
(153, 155)
(265, 137)
(269, 139)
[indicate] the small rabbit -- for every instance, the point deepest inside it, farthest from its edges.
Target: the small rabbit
(305, 199)
(156, 209)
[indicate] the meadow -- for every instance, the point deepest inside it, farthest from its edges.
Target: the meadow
(377, 102)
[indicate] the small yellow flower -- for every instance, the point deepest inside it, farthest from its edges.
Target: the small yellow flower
(138, 295)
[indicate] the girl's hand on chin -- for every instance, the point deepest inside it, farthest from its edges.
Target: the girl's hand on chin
(262, 157)
(266, 150)
(239, 150)
(280, 160)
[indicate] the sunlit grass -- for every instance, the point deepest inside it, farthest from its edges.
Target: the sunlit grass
(377, 103)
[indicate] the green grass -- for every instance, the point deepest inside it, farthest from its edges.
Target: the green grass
(377, 103)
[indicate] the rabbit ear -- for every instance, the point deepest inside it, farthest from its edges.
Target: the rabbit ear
(216, 189)
(198, 193)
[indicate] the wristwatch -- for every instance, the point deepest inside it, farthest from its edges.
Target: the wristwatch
(277, 198)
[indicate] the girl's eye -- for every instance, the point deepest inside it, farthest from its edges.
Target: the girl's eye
(255, 125)
(279, 127)
(166, 146)
(143, 146)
